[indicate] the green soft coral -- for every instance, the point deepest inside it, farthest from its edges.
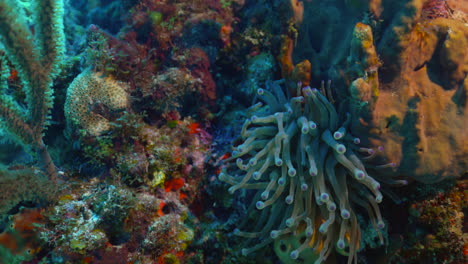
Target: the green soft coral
(37, 58)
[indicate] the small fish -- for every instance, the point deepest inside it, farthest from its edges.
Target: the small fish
(174, 184)
(194, 128)
(13, 75)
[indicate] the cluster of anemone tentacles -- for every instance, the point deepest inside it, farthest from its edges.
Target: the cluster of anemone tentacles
(307, 172)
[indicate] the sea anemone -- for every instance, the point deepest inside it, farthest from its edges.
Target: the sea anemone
(307, 172)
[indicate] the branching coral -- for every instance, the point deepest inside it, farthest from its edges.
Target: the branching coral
(308, 172)
(37, 63)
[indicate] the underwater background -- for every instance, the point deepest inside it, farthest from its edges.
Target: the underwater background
(233, 131)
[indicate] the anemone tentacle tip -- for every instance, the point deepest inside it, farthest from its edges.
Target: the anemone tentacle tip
(274, 234)
(279, 162)
(232, 189)
(281, 182)
(337, 135)
(294, 254)
(256, 175)
(324, 197)
(381, 225)
(341, 149)
(359, 175)
(290, 222)
(292, 172)
(340, 244)
(345, 214)
(260, 205)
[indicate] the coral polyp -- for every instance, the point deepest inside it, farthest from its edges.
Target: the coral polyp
(308, 173)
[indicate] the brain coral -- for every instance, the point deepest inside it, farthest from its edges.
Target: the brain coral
(91, 99)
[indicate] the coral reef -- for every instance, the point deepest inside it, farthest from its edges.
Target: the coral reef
(112, 222)
(147, 108)
(84, 224)
(437, 228)
(167, 235)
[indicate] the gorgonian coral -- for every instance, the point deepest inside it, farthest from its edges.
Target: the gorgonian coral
(308, 173)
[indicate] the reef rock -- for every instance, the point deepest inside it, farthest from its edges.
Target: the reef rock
(419, 115)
